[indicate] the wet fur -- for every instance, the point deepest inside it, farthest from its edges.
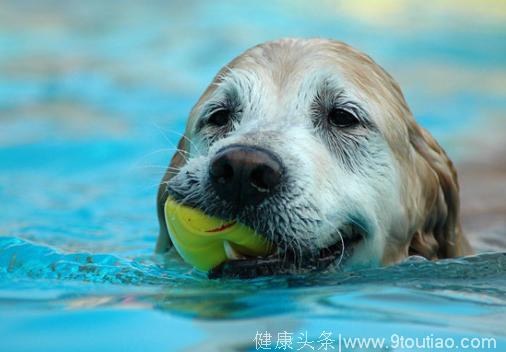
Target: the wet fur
(389, 177)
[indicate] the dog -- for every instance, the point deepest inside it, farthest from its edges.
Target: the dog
(311, 143)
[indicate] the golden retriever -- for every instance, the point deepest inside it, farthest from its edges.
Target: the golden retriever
(311, 143)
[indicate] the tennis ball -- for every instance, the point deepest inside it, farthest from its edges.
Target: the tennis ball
(206, 242)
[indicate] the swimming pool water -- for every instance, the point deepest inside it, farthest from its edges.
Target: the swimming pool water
(93, 97)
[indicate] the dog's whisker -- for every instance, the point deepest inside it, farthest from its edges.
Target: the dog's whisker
(183, 136)
(338, 263)
(163, 150)
(140, 161)
(185, 154)
(175, 169)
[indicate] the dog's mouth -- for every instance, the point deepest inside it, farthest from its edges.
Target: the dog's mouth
(342, 249)
(288, 261)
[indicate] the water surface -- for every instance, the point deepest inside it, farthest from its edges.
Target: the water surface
(93, 97)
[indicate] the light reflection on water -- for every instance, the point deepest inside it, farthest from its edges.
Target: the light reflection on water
(92, 98)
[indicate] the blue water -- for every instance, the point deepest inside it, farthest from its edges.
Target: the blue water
(93, 96)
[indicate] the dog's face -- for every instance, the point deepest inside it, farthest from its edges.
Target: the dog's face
(311, 144)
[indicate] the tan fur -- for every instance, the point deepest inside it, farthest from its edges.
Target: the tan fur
(429, 189)
(177, 161)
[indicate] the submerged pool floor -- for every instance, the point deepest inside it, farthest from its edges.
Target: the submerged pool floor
(93, 99)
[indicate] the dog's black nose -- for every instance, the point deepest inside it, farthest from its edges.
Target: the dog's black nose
(245, 175)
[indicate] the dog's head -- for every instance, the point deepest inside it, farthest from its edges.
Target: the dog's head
(312, 144)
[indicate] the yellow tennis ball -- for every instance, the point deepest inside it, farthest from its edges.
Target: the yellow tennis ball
(206, 242)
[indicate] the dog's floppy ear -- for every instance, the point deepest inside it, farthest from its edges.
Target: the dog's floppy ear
(178, 160)
(439, 233)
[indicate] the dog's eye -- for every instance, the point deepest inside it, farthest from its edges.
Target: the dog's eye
(219, 117)
(342, 118)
